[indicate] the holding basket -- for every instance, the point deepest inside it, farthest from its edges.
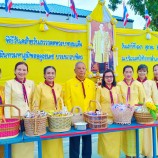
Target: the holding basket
(96, 121)
(77, 117)
(10, 127)
(60, 123)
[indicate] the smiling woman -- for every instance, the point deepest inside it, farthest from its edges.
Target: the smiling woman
(45, 98)
(151, 96)
(132, 93)
(107, 95)
(18, 92)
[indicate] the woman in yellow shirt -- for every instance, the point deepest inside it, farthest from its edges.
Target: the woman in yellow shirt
(151, 95)
(109, 144)
(155, 70)
(45, 98)
(19, 92)
(132, 93)
(1, 113)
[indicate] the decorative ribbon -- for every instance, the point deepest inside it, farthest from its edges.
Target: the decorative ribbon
(111, 96)
(53, 92)
(43, 25)
(142, 81)
(155, 79)
(24, 89)
(83, 89)
(129, 89)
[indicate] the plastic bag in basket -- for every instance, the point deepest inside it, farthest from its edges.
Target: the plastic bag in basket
(122, 113)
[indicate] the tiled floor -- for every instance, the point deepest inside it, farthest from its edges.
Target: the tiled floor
(66, 148)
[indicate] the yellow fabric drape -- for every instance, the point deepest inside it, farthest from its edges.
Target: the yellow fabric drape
(14, 22)
(101, 13)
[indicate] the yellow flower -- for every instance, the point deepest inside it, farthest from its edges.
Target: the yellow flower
(150, 105)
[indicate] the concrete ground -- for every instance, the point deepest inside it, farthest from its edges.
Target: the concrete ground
(66, 148)
(94, 148)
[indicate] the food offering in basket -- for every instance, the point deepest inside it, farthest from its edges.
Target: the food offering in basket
(97, 119)
(35, 123)
(122, 114)
(60, 121)
(9, 127)
(147, 113)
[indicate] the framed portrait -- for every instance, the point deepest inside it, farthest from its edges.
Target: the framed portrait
(101, 40)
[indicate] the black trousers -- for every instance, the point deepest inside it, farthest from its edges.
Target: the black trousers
(74, 148)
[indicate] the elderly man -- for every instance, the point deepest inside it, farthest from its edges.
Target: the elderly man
(78, 92)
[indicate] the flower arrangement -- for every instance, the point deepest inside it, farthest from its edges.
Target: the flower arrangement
(152, 108)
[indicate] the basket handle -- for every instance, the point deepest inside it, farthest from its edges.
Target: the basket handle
(92, 101)
(76, 107)
(35, 131)
(10, 105)
(61, 100)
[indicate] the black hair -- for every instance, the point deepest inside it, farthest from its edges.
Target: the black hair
(128, 66)
(155, 66)
(114, 80)
(47, 67)
(21, 63)
(142, 66)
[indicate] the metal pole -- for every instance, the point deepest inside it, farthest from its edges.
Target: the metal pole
(137, 143)
(154, 141)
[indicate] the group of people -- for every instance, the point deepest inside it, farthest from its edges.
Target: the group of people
(78, 91)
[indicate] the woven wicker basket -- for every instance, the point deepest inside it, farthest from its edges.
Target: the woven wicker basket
(10, 128)
(96, 121)
(60, 124)
(143, 118)
(77, 117)
(35, 126)
(123, 116)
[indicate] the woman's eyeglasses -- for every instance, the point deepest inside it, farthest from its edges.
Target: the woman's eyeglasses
(106, 77)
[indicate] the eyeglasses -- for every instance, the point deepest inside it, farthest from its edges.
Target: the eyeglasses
(106, 77)
(142, 72)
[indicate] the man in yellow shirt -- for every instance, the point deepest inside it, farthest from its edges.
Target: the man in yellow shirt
(78, 92)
